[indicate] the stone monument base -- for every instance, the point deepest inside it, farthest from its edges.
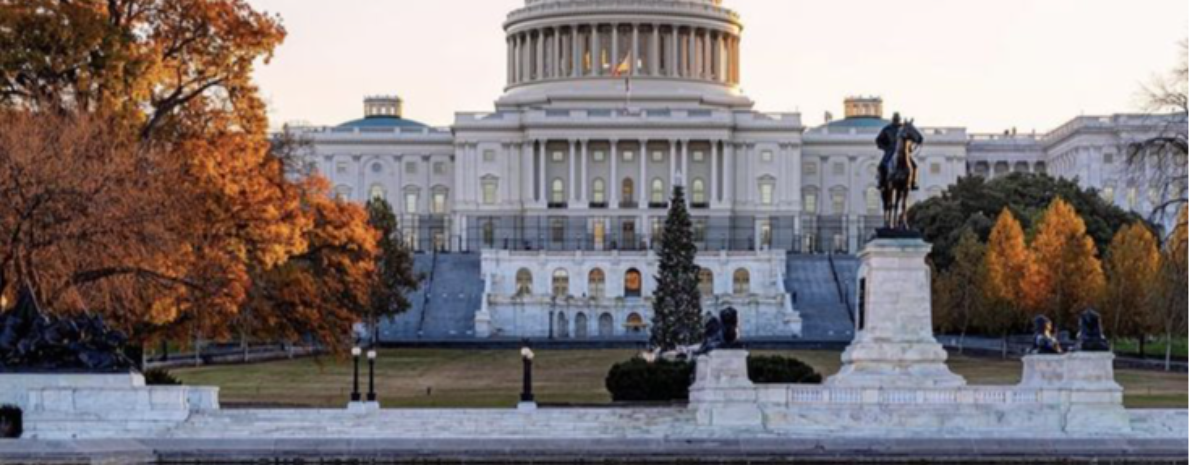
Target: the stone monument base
(895, 365)
(722, 394)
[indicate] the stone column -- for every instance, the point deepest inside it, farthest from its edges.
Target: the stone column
(615, 58)
(540, 68)
(691, 69)
(673, 161)
(613, 183)
(729, 172)
(543, 155)
(644, 181)
(674, 61)
(632, 63)
(595, 50)
(894, 345)
(570, 173)
(584, 169)
(576, 55)
(655, 52)
(715, 197)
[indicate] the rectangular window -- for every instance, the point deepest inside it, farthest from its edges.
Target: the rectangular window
(935, 168)
(766, 234)
(699, 157)
(1109, 158)
(341, 167)
(489, 192)
(810, 201)
(558, 230)
(439, 203)
(629, 156)
(700, 230)
(839, 169)
(411, 202)
(810, 168)
(439, 168)
(599, 156)
(838, 203)
(489, 156)
(658, 157)
(410, 167)
(558, 157)
(766, 193)
(658, 225)
(766, 156)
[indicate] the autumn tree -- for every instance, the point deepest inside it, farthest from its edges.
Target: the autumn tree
(164, 206)
(1170, 306)
(1131, 268)
(1009, 266)
(394, 274)
(1069, 275)
(959, 290)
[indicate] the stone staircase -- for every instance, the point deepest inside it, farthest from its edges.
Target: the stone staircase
(824, 311)
(444, 307)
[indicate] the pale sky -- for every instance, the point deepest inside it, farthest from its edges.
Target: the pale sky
(987, 65)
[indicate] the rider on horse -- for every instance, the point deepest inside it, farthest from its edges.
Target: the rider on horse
(889, 141)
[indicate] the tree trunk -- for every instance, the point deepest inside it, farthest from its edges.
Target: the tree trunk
(1140, 347)
(1004, 347)
(1169, 353)
(962, 341)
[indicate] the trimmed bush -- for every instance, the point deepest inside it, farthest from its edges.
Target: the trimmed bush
(639, 381)
(781, 370)
(159, 377)
(11, 422)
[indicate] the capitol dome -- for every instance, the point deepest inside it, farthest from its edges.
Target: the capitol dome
(658, 50)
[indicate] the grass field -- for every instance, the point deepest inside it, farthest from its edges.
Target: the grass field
(1154, 349)
(489, 378)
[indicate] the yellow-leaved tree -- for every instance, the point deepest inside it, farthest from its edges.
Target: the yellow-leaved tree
(1008, 265)
(1131, 266)
(1069, 276)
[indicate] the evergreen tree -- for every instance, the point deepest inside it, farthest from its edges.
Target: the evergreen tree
(1069, 274)
(394, 267)
(677, 303)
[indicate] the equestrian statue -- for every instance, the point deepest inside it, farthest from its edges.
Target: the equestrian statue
(897, 175)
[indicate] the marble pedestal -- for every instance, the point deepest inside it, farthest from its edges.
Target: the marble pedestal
(1083, 386)
(722, 394)
(894, 346)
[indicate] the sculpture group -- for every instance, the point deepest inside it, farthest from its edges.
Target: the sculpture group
(33, 341)
(897, 175)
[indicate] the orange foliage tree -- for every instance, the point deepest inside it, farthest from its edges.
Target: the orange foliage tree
(1008, 265)
(1069, 276)
(163, 206)
(1131, 268)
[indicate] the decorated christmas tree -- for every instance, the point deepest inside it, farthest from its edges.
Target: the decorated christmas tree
(677, 302)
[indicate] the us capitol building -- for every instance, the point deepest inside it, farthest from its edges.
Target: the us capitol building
(561, 190)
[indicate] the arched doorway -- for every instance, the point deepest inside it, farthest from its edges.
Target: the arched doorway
(635, 324)
(563, 329)
(606, 325)
(580, 326)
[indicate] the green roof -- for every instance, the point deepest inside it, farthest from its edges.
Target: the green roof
(382, 122)
(859, 122)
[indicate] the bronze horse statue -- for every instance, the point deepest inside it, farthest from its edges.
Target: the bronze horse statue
(898, 172)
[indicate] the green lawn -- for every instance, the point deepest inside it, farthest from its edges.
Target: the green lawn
(491, 378)
(1154, 349)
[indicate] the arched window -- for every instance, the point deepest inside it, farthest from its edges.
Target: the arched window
(580, 326)
(412, 195)
(635, 323)
(563, 329)
(706, 282)
(632, 283)
(607, 325)
(377, 192)
(598, 191)
(1108, 194)
(440, 195)
(561, 283)
(741, 282)
(698, 191)
(524, 282)
(658, 191)
(872, 198)
(627, 190)
(596, 282)
(558, 191)
(491, 189)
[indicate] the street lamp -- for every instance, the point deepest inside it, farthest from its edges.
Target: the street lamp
(355, 353)
(527, 401)
(372, 375)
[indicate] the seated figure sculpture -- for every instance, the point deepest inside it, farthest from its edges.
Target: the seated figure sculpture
(722, 332)
(1090, 333)
(1044, 341)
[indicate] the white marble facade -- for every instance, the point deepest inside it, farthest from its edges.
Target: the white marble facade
(607, 295)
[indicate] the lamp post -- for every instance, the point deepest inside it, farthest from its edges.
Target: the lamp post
(527, 401)
(372, 375)
(355, 353)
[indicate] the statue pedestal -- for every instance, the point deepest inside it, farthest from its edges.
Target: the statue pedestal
(1083, 385)
(722, 394)
(894, 346)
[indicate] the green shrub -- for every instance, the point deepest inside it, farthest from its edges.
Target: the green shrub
(781, 370)
(11, 423)
(159, 377)
(639, 381)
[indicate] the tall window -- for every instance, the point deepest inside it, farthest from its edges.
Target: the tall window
(558, 230)
(490, 188)
(741, 282)
(598, 191)
(1108, 194)
(632, 283)
(489, 233)
(628, 190)
(765, 228)
(873, 201)
(561, 283)
(411, 201)
(377, 192)
(706, 282)
(596, 282)
(658, 191)
(839, 201)
(767, 186)
(558, 191)
(598, 234)
(524, 282)
(439, 206)
(700, 229)
(698, 191)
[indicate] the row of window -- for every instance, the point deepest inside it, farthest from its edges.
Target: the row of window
(839, 169)
(439, 168)
(633, 283)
